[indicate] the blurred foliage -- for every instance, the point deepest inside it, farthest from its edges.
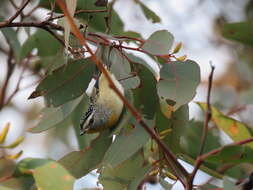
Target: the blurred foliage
(126, 155)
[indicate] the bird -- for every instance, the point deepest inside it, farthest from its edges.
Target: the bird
(105, 106)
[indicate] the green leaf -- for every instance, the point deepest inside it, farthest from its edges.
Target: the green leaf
(178, 123)
(66, 83)
(53, 176)
(97, 22)
(179, 81)
(149, 13)
(145, 97)
(80, 163)
(121, 68)
(191, 141)
(118, 152)
(236, 130)
(240, 32)
(53, 62)
(43, 41)
(52, 117)
(137, 60)
(25, 166)
(20, 183)
(233, 154)
(11, 37)
(159, 43)
(127, 175)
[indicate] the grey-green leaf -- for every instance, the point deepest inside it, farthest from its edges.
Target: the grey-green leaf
(149, 13)
(53, 116)
(125, 145)
(80, 163)
(66, 83)
(159, 43)
(179, 81)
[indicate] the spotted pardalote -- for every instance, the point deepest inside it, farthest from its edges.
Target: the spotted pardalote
(105, 106)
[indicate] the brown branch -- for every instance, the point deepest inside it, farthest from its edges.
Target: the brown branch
(48, 26)
(10, 67)
(129, 38)
(17, 88)
(208, 112)
(201, 158)
(173, 163)
(78, 12)
(18, 12)
(45, 25)
(208, 117)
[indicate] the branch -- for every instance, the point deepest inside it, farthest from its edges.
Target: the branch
(18, 12)
(78, 12)
(201, 158)
(208, 111)
(205, 128)
(45, 25)
(10, 67)
(173, 163)
(17, 88)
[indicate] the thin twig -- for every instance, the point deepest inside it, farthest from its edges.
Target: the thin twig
(46, 25)
(79, 12)
(43, 25)
(18, 12)
(173, 163)
(207, 120)
(17, 88)
(10, 67)
(13, 4)
(208, 111)
(216, 151)
(203, 157)
(32, 11)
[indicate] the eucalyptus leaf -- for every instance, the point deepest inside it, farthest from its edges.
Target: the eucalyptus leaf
(178, 82)
(51, 117)
(126, 176)
(80, 163)
(240, 32)
(145, 97)
(149, 13)
(118, 152)
(176, 126)
(66, 83)
(235, 129)
(53, 176)
(159, 43)
(44, 42)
